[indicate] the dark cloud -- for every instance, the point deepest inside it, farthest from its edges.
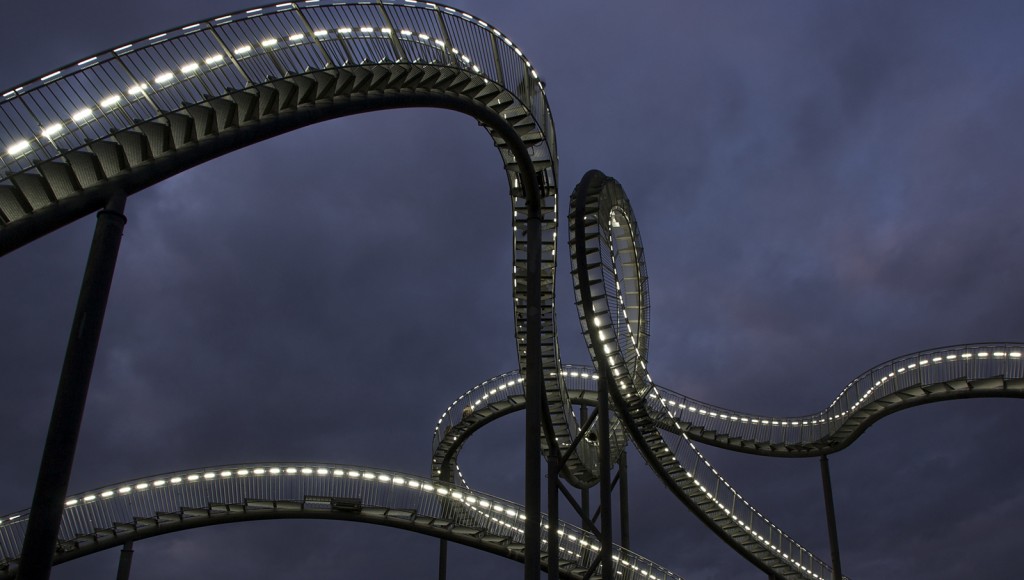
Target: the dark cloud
(820, 188)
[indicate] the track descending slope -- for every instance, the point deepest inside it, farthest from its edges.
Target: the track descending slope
(119, 121)
(171, 502)
(124, 119)
(994, 372)
(942, 374)
(610, 278)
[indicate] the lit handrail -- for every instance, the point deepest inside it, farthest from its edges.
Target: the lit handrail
(116, 93)
(836, 426)
(310, 490)
(113, 90)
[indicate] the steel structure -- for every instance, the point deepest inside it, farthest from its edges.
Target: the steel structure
(170, 502)
(86, 136)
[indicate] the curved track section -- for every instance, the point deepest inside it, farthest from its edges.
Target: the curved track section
(611, 290)
(610, 282)
(959, 372)
(503, 395)
(495, 398)
(127, 118)
(124, 119)
(143, 508)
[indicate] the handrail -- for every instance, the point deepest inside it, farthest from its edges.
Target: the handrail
(116, 89)
(815, 433)
(116, 513)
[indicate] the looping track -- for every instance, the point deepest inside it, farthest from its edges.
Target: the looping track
(611, 294)
(122, 120)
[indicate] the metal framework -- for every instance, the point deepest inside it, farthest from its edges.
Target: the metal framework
(125, 512)
(87, 135)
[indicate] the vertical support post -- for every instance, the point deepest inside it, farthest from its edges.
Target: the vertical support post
(442, 562)
(830, 516)
(534, 386)
(553, 495)
(605, 455)
(585, 492)
(623, 501)
(69, 405)
(124, 566)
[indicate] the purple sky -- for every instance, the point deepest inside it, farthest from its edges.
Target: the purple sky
(820, 187)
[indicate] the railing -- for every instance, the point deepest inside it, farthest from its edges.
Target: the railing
(503, 389)
(118, 90)
(315, 485)
(500, 389)
(86, 101)
(695, 466)
(928, 367)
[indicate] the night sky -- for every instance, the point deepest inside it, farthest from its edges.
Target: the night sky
(820, 187)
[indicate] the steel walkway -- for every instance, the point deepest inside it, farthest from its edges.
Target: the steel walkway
(119, 121)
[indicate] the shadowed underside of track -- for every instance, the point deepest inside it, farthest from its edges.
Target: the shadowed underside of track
(297, 64)
(79, 182)
(152, 506)
(952, 373)
(63, 162)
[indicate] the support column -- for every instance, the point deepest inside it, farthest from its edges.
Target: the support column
(623, 501)
(585, 492)
(69, 405)
(534, 390)
(604, 428)
(442, 562)
(124, 566)
(553, 497)
(830, 516)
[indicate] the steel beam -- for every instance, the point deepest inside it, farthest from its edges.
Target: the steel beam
(830, 516)
(604, 434)
(124, 565)
(534, 384)
(553, 500)
(623, 502)
(69, 405)
(442, 561)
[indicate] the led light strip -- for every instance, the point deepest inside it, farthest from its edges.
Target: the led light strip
(599, 205)
(23, 147)
(936, 358)
(492, 509)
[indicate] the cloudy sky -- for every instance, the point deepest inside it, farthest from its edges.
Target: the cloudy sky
(820, 187)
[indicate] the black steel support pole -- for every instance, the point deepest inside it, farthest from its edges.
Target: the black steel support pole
(553, 498)
(534, 389)
(124, 566)
(585, 492)
(604, 434)
(830, 515)
(69, 405)
(442, 561)
(623, 501)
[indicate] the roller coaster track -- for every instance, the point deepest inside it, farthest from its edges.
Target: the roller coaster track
(143, 508)
(127, 118)
(972, 371)
(609, 274)
(121, 120)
